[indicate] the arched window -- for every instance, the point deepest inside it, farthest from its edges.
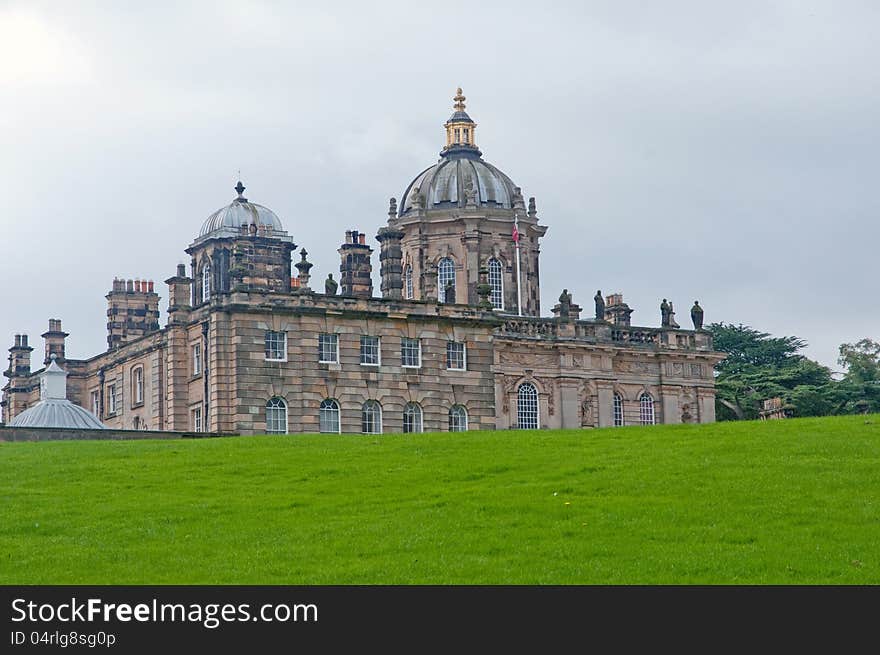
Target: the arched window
(276, 416)
(646, 409)
(412, 418)
(206, 282)
(445, 276)
(458, 419)
(408, 282)
(371, 418)
(496, 283)
(328, 416)
(527, 407)
(618, 409)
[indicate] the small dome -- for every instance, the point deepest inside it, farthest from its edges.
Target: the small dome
(446, 183)
(56, 413)
(241, 212)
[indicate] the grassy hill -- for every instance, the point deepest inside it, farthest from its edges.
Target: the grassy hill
(794, 501)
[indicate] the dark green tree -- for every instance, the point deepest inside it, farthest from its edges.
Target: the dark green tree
(759, 367)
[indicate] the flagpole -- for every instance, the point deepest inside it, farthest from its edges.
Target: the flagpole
(518, 274)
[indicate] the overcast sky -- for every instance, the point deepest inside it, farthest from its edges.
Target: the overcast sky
(726, 152)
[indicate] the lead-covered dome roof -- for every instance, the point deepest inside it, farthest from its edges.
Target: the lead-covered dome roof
(240, 212)
(461, 177)
(56, 413)
(448, 182)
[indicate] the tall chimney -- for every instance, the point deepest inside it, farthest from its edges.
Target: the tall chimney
(179, 295)
(132, 312)
(390, 262)
(54, 339)
(355, 268)
(19, 357)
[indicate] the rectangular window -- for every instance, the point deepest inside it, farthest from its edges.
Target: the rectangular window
(138, 385)
(196, 419)
(197, 359)
(96, 403)
(410, 353)
(455, 356)
(276, 346)
(111, 399)
(328, 348)
(370, 352)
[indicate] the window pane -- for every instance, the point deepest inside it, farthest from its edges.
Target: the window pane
(455, 358)
(276, 416)
(527, 407)
(206, 282)
(276, 345)
(646, 409)
(408, 283)
(410, 350)
(457, 419)
(371, 418)
(328, 416)
(327, 351)
(370, 350)
(496, 282)
(412, 418)
(445, 277)
(618, 409)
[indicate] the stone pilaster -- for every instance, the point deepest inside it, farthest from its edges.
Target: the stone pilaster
(605, 399)
(670, 397)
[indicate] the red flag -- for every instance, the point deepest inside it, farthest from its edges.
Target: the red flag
(515, 234)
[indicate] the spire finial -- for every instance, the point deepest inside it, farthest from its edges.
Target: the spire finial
(459, 100)
(239, 188)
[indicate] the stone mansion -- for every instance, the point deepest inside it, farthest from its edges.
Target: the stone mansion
(454, 340)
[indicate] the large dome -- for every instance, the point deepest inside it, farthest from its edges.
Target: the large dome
(447, 183)
(240, 212)
(461, 178)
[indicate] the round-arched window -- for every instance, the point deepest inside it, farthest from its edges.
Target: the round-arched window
(445, 278)
(371, 418)
(496, 284)
(276, 416)
(646, 409)
(527, 407)
(458, 419)
(328, 416)
(412, 418)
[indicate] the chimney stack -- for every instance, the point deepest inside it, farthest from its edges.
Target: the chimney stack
(390, 262)
(19, 357)
(54, 338)
(179, 295)
(355, 268)
(132, 311)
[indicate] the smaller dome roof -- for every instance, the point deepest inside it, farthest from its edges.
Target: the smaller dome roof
(56, 413)
(460, 117)
(240, 212)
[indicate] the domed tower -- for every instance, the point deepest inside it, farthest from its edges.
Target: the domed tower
(458, 216)
(240, 246)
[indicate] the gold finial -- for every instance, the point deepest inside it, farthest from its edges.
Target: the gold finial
(459, 100)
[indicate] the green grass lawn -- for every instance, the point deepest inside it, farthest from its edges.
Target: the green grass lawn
(795, 501)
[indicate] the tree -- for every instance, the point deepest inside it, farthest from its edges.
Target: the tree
(860, 387)
(748, 348)
(861, 360)
(759, 367)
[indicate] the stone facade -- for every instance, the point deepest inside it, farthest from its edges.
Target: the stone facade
(453, 343)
